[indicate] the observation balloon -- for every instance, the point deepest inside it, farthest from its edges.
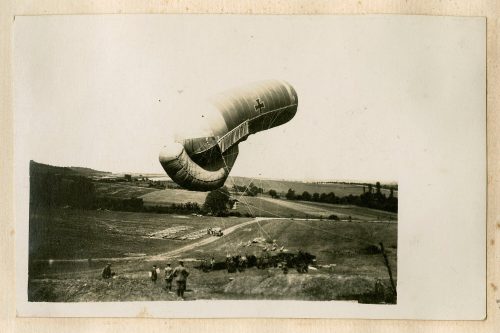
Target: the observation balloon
(203, 161)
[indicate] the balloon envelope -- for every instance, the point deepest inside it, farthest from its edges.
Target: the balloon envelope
(202, 160)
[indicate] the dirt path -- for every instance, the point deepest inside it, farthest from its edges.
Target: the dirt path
(206, 241)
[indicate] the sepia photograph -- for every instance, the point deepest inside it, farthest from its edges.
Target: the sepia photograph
(238, 158)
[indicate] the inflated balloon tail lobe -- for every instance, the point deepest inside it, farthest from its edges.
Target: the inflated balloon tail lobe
(185, 172)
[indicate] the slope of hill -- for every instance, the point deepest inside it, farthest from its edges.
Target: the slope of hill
(89, 171)
(347, 265)
(282, 186)
(266, 206)
(36, 167)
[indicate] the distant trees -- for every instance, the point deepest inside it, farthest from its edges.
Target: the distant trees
(391, 203)
(181, 208)
(306, 196)
(370, 198)
(378, 200)
(238, 188)
(120, 204)
(253, 190)
(273, 194)
(331, 198)
(250, 189)
(216, 201)
(53, 190)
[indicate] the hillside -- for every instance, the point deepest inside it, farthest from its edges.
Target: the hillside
(36, 167)
(282, 186)
(80, 221)
(348, 266)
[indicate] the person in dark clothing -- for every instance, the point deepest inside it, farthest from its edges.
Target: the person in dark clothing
(106, 272)
(181, 274)
(154, 274)
(212, 263)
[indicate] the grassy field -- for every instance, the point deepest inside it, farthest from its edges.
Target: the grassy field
(121, 190)
(282, 186)
(132, 284)
(83, 234)
(328, 240)
(170, 196)
(266, 206)
(347, 269)
(358, 213)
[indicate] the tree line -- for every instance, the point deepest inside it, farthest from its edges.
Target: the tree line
(48, 189)
(54, 189)
(371, 198)
(250, 190)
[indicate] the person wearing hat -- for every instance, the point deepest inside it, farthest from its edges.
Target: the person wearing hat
(181, 274)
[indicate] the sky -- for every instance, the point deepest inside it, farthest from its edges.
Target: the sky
(106, 92)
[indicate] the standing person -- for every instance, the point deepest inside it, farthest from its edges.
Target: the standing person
(244, 262)
(181, 274)
(212, 264)
(169, 271)
(154, 274)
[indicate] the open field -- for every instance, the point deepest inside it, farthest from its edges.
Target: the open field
(83, 234)
(356, 213)
(346, 268)
(267, 206)
(282, 186)
(121, 190)
(170, 196)
(326, 239)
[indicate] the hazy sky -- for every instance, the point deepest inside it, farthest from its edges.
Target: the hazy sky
(104, 91)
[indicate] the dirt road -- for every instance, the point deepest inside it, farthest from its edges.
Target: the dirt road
(205, 241)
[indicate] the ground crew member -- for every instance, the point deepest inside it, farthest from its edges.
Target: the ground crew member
(181, 274)
(106, 272)
(169, 277)
(285, 267)
(244, 261)
(153, 274)
(212, 263)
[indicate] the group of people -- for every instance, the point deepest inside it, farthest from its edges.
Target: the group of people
(237, 262)
(180, 274)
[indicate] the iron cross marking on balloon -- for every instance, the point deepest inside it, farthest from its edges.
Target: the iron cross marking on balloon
(260, 105)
